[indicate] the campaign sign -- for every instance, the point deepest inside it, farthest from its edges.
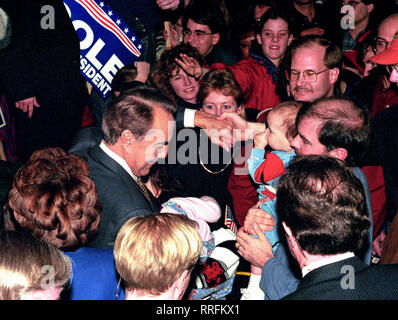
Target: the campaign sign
(106, 42)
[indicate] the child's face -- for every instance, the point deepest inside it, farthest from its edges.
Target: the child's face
(216, 103)
(276, 132)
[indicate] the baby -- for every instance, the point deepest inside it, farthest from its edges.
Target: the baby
(218, 263)
(266, 168)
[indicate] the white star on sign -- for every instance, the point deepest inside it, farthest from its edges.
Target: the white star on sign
(110, 13)
(139, 46)
(118, 21)
(101, 4)
(133, 38)
(126, 30)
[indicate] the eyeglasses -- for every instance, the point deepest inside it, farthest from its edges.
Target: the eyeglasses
(199, 35)
(391, 68)
(308, 75)
(351, 3)
(380, 44)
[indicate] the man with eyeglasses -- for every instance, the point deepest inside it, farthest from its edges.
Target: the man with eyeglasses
(376, 92)
(383, 150)
(314, 68)
(204, 29)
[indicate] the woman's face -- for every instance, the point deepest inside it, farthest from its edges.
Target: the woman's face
(217, 103)
(274, 39)
(184, 86)
(369, 65)
(245, 44)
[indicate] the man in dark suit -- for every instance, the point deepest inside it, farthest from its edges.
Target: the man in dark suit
(40, 75)
(137, 127)
(323, 212)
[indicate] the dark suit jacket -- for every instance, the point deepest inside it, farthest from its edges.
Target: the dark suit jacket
(119, 194)
(379, 282)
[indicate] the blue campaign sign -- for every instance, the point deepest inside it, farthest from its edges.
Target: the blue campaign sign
(106, 42)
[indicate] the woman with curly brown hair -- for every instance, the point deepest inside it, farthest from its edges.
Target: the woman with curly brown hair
(173, 81)
(53, 198)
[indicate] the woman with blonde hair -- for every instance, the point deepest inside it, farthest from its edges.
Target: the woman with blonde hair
(155, 254)
(31, 269)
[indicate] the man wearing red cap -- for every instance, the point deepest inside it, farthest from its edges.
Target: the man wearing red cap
(383, 150)
(375, 92)
(389, 58)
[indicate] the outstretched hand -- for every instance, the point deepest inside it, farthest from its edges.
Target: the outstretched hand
(168, 4)
(241, 130)
(27, 105)
(218, 131)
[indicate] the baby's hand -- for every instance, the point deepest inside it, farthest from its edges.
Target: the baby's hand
(261, 140)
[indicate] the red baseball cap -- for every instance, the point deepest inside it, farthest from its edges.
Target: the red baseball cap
(388, 56)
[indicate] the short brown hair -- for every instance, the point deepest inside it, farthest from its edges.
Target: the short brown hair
(343, 124)
(222, 81)
(133, 111)
(53, 198)
(324, 205)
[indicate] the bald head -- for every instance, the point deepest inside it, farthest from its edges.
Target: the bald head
(388, 27)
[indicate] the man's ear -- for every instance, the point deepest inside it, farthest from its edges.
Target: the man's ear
(292, 242)
(288, 231)
(370, 7)
(127, 138)
(52, 293)
(290, 39)
(339, 153)
(258, 37)
(216, 39)
(334, 75)
(179, 287)
(240, 110)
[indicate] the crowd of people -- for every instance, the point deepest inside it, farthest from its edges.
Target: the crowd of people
(249, 153)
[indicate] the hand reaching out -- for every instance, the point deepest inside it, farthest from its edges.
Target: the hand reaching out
(168, 4)
(27, 105)
(143, 70)
(218, 131)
